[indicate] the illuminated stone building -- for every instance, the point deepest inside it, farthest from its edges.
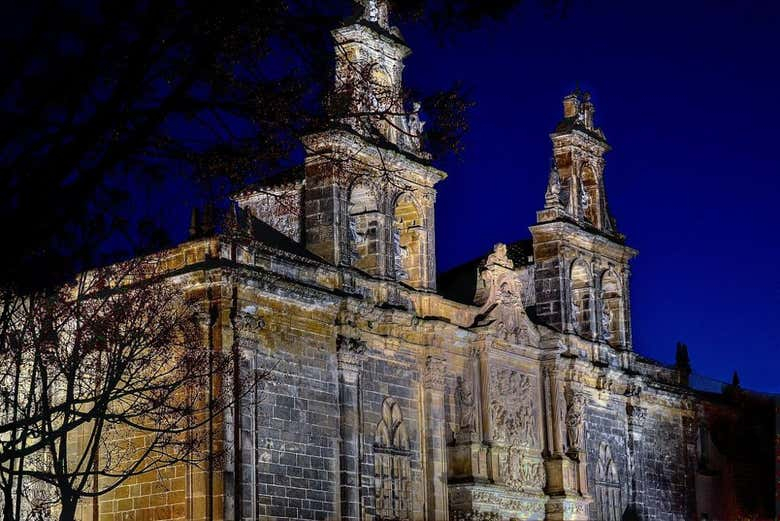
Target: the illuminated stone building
(508, 389)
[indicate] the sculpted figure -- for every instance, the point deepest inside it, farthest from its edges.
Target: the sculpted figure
(575, 418)
(575, 314)
(464, 397)
(606, 319)
(415, 126)
(584, 199)
(400, 254)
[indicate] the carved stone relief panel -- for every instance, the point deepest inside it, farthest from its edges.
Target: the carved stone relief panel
(522, 471)
(512, 409)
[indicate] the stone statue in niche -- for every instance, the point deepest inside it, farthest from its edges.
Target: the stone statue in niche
(355, 239)
(575, 419)
(512, 412)
(584, 200)
(606, 318)
(400, 254)
(464, 402)
(574, 319)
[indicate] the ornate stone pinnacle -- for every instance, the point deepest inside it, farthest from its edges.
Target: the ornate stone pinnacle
(375, 11)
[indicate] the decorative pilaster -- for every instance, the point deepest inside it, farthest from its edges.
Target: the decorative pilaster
(636, 421)
(567, 472)
(433, 374)
(350, 354)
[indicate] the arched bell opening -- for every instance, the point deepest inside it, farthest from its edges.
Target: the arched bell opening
(612, 323)
(590, 199)
(408, 242)
(581, 299)
(364, 222)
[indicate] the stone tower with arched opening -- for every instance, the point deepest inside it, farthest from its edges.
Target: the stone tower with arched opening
(369, 186)
(581, 260)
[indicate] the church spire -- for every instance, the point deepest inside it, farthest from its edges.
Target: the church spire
(581, 261)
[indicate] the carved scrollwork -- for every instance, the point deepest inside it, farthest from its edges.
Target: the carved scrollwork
(459, 515)
(247, 322)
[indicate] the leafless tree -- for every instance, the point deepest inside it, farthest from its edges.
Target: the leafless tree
(115, 359)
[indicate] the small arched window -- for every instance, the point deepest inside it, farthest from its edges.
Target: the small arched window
(580, 298)
(611, 308)
(590, 199)
(392, 468)
(363, 224)
(408, 240)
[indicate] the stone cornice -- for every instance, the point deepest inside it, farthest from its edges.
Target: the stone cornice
(340, 142)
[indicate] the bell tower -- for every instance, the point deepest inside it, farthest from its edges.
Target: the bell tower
(581, 260)
(369, 185)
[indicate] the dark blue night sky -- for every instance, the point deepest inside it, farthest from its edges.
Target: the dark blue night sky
(688, 94)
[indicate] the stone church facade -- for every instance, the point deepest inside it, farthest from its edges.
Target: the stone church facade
(508, 389)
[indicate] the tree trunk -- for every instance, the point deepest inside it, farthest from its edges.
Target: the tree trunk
(8, 503)
(68, 509)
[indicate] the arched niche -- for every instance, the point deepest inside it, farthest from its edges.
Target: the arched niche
(581, 297)
(591, 200)
(609, 501)
(364, 223)
(392, 464)
(408, 242)
(612, 309)
(383, 103)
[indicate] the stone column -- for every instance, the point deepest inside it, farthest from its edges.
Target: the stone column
(350, 354)
(435, 462)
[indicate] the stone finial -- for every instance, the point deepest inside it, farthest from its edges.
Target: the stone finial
(578, 104)
(376, 11)
(499, 257)
(587, 110)
(735, 380)
(195, 229)
(571, 105)
(682, 360)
